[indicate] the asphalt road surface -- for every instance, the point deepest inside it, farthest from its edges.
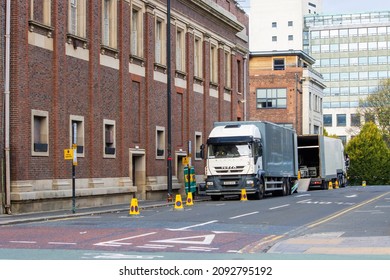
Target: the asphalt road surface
(348, 223)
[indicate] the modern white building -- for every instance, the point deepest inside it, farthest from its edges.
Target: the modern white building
(277, 25)
(276, 31)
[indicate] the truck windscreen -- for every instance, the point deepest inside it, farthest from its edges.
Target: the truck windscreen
(229, 150)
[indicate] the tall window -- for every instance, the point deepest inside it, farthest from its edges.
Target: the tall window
(160, 42)
(77, 133)
(198, 57)
(109, 138)
(271, 98)
(160, 142)
(40, 133)
(109, 23)
(41, 11)
(213, 64)
(136, 37)
(77, 18)
(180, 50)
(228, 64)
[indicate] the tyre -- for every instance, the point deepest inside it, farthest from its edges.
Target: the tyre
(260, 190)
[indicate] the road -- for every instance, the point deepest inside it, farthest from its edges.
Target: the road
(350, 223)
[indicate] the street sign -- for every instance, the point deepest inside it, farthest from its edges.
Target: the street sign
(185, 160)
(68, 154)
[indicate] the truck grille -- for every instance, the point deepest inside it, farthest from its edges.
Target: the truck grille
(229, 169)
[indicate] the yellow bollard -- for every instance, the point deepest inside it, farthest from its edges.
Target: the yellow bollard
(134, 210)
(336, 185)
(243, 195)
(363, 183)
(189, 201)
(330, 185)
(178, 203)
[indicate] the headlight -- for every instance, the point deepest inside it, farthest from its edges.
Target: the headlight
(209, 183)
(250, 182)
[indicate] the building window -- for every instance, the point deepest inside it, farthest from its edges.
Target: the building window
(41, 11)
(136, 35)
(180, 50)
(228, 64)
(160, 42)
(328, 120)
(77, 18)
(40, 133)
(274, 24)
(198, 57)
(109, 138)
(341, 120)
(198, 144)
(271, 98)
(109, 23)
(278, 64)
(274, 38)
(77, 133)
(290, 37)
(290, 23)
(355, 120)
(160, 142)
(239, 80)
(213, 64)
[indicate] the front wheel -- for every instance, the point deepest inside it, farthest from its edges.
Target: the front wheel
(260, 190)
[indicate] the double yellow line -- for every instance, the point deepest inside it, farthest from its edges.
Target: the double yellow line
(336, 215)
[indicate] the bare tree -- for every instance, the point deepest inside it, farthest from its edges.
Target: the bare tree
(376, 107)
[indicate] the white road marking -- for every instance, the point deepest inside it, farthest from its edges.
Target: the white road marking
(196, 225)
(281, 206)
(302, 195)
(155, 246)
(62, 243)
(118, 242)
(121, 256)
(23, 242)
(382, 206)
(350, 196)
(197, 239)
(244, 215)
(199, 249)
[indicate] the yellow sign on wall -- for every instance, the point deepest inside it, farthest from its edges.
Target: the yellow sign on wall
(68, 154)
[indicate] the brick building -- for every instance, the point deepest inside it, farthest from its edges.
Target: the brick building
(94, 73)
(285, 89)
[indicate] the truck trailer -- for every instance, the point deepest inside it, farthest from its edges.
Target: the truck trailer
(260, 157)
(321, 161)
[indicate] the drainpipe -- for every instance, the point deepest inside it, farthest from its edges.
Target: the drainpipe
(245, 87)
(7, 109)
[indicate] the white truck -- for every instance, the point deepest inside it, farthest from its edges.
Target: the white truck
(260, 157)
(321, 160)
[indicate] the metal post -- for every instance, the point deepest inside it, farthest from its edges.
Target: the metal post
(74, 147)
(169, 150)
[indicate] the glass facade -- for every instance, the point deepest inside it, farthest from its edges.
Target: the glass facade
(352, 51)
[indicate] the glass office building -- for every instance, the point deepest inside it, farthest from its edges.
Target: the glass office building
(352, 52)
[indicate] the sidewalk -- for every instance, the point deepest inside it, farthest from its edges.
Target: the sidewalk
(50, 215)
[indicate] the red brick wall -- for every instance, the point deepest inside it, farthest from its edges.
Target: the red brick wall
(62, 85)
(276, 79)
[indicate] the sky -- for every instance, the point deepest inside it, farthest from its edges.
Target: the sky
(344, 6)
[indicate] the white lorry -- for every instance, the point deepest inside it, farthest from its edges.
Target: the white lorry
(321, 159)
(260, 157)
